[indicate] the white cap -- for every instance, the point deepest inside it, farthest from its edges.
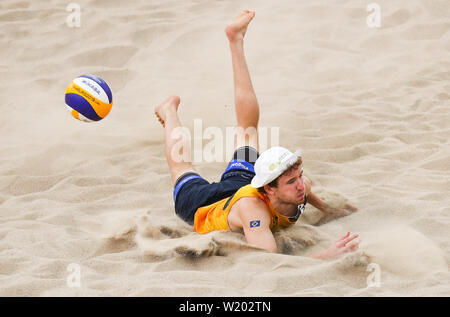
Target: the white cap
(272, 163)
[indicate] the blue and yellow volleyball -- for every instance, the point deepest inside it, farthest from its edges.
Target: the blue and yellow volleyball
(89, 98)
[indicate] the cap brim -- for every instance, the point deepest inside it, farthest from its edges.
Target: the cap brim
(256, 182)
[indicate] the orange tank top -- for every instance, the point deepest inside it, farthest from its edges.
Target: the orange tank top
(215, 216)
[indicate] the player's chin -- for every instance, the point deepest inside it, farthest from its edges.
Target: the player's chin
(299, 200)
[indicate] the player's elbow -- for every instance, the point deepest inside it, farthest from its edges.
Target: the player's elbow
(272, 249)
(269, 246)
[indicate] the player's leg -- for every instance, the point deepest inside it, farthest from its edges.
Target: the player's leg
(177, 148)
(246, 104)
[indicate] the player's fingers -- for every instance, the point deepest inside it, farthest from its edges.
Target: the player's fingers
(350, 207)
(343, 237)
(352, 247)
(348, 239)
(341, 212)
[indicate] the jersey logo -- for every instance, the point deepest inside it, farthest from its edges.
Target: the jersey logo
(255, 223)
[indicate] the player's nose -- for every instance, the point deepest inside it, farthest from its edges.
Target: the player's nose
(300, 185)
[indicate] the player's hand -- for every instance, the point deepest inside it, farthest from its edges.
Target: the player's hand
(346, 210)
(341, 246)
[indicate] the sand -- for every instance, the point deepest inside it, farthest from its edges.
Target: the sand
(86, 209)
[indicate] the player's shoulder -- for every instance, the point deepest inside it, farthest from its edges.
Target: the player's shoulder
(251, 207)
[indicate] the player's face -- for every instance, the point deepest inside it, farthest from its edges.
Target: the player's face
(291, 187)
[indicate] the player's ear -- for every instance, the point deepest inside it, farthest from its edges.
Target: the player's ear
(269, 189)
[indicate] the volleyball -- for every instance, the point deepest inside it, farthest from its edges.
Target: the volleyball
(89, 98)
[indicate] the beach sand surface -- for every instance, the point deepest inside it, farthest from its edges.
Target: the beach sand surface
(370, 108)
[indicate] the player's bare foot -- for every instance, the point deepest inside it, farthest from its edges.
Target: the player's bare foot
(170, 104)
(236, 30)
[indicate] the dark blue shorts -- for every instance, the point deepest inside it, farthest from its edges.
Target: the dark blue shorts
(191, 191)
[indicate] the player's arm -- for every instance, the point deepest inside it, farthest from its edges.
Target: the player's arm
(255, 220)
(314, 200)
